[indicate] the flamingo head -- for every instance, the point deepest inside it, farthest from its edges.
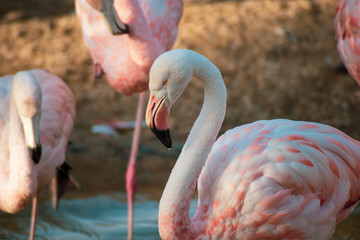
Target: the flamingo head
(169, 75)
(27, 94)
(110, 16)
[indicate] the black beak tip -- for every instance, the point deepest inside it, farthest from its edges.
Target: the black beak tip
(163, 136)
(35, 153)
(121, 30)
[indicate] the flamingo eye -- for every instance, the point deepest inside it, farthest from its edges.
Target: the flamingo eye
(165, 83)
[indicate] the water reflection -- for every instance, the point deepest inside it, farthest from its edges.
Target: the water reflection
(104, 217)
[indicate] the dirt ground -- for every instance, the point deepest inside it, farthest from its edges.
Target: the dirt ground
(278, 59)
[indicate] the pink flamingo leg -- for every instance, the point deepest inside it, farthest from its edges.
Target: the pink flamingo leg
(130, 172)
(33, 217)
(54, 192)
(98, 71)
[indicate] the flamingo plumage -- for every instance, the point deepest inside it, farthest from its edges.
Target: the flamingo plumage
(37, 113)
(124, 38)
(347, 30)
(271, 179)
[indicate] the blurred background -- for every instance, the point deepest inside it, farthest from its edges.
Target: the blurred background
(278, 59)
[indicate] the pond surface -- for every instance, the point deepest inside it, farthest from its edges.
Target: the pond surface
(100, 217)
(104, 217)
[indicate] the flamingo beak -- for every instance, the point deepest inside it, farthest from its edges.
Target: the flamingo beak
(32, 138)
(35, 153)
(109, 14)
(157, 119)
(114, 24)
(121, 28)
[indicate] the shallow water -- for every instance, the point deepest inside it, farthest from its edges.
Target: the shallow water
(101, 217)
(104, 217)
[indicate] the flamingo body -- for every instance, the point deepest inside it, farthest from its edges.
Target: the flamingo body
(124, 38)
(347, 29)
(271, 179)
(126, 59)
(278, 179)
(20, 178)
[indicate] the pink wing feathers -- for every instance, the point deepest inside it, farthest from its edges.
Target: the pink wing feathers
(277, 177)
(163, 17)
(347, 29)
(127, 70)
(56, 125)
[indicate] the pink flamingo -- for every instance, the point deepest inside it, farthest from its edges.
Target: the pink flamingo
(271, 179)
(124, 38)
(347, 29)
(37, 112)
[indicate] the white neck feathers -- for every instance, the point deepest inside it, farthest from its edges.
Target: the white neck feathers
(175, 201)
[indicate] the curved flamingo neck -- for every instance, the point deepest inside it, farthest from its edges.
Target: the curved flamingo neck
(19, 181)
(142, 44)
(174, 218)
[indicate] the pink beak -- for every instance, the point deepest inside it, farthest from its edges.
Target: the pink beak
(157, 120)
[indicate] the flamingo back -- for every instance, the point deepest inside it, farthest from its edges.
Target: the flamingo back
(277, 178)
(5, 88)
(56, 124)
(347, 29)
(127, 69)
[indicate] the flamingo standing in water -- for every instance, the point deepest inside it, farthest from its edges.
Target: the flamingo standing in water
(271, 179)
(124, 38)
(347, 29)
(37, 112)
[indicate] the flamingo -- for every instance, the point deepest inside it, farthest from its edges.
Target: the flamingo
(271, 179)
(37, 112)
(124, 38)
(347, 29)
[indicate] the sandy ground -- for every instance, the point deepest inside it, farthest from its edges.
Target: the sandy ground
(278, 60)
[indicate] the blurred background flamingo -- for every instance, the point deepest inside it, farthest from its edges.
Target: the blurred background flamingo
(347, 30)
(271, 179)
(36, 119)
(124, 38)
